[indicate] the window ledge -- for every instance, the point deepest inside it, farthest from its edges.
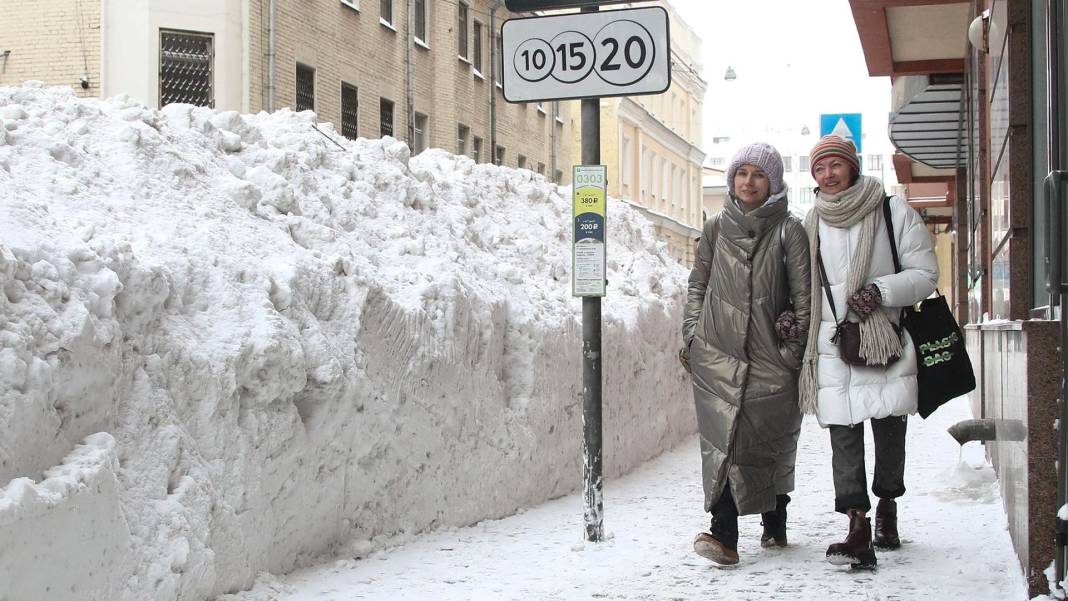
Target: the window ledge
(387, 24)
(541, 110)
(463, 59)
(421, 43)
(560, 120)
(478, 74)
(353, 4)
(501, 87)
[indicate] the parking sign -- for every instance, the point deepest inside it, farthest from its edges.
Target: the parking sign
(586, 55)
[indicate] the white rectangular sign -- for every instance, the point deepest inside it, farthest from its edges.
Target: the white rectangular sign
(589, 210)
(586, 55)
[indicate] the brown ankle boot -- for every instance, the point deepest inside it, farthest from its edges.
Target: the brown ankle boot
(856, 550)
(886, 525)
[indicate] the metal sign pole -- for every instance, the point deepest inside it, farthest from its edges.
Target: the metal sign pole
(592, 472)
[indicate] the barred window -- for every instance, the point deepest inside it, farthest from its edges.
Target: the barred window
(461, 16)
(305, 88)
(386, 109)
(185, 68)
(350, 110)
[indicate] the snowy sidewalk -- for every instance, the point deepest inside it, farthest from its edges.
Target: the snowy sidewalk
(955, 542)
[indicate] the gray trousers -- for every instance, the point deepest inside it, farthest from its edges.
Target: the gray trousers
(847, 463)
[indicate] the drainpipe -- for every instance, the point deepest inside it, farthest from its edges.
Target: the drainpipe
(270, 55)
(409, 72)
(493, 78)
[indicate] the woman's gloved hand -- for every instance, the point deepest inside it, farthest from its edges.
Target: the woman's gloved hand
(684, 357)
(787, 327)
(865, 301)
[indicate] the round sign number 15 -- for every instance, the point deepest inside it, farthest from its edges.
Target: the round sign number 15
(620, 54)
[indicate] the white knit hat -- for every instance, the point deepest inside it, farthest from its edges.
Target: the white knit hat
(760, 155)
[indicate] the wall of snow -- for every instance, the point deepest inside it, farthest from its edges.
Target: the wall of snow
(229, 345)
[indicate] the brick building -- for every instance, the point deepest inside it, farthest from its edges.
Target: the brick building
(419, 70)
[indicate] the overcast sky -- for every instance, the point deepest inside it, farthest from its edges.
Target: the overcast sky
(794, 59)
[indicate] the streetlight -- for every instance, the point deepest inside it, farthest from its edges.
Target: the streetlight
(804, 130)
(730, 75)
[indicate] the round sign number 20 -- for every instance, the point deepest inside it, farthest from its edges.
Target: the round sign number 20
(620, 54)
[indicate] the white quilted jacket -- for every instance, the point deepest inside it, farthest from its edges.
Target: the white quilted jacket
(848, 394)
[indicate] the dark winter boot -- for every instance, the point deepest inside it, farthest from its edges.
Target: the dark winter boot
(720, 543)
(886, 525)
(774, 523)
(856, 550)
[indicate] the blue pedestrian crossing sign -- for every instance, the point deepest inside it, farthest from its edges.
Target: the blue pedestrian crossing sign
(846, 125)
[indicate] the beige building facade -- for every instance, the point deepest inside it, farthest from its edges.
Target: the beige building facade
(652, 144)
(422, 71)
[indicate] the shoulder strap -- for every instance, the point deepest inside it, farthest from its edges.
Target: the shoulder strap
(826, 286)
(890, 233)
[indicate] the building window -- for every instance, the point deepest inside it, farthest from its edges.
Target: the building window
(420, 133)
(476, 149)
(420, 21)
(541, 168)
(385, 14)
(476, 51)
(718, 161)
(352, 3)
(804, 166)
(185, 68)
(787, 164)
(499, 156)
(624, 162)
(875, 162)
(350, 110)
(305, 88)
(521, 162)
(720, 139)
(385, 109)
(461, 15)
(462, 131)
(498, 61)
(558, 176)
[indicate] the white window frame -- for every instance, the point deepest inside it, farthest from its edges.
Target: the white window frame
(419, 134)
(463, 132)
(420, 40)
(463, 44)
(476, 51)
(382, 18)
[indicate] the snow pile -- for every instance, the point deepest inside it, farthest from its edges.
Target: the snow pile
(229, 345)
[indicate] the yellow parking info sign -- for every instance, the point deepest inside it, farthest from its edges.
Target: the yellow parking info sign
(590, 185)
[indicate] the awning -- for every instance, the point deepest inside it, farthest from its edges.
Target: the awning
(926, 122)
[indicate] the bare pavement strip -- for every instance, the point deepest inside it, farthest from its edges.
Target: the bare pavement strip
(953, 528)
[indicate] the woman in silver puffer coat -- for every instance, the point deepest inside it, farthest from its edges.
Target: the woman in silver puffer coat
(744, 328)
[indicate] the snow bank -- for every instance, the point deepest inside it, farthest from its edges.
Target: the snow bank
(229, 345)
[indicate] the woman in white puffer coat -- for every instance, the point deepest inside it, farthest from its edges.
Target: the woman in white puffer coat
(848, 234)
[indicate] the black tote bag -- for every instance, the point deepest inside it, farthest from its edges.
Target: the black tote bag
(943, 369)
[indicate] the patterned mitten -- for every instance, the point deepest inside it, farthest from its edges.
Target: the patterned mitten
(787, 327)
(865, 300)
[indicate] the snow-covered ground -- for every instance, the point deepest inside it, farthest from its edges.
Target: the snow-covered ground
(232, 343)
(955, 544)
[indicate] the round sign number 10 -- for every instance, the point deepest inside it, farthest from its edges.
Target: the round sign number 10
(620, 54)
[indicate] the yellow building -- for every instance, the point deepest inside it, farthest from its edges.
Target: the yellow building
(652, 144)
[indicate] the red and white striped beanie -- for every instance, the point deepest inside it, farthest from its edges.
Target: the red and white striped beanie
(834, 146)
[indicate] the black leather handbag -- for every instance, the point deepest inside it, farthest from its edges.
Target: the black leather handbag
(847, 333)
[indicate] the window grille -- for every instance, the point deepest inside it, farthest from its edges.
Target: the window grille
(350, 110)
(386, 110)
(305, 88)
(185, 68)
(461, 13)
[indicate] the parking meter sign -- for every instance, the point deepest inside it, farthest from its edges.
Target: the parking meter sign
(586, 55)
(590, 197)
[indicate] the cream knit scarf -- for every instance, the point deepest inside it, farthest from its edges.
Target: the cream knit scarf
(861, 203)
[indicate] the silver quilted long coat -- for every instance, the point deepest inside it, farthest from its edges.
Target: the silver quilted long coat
(744, 377)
